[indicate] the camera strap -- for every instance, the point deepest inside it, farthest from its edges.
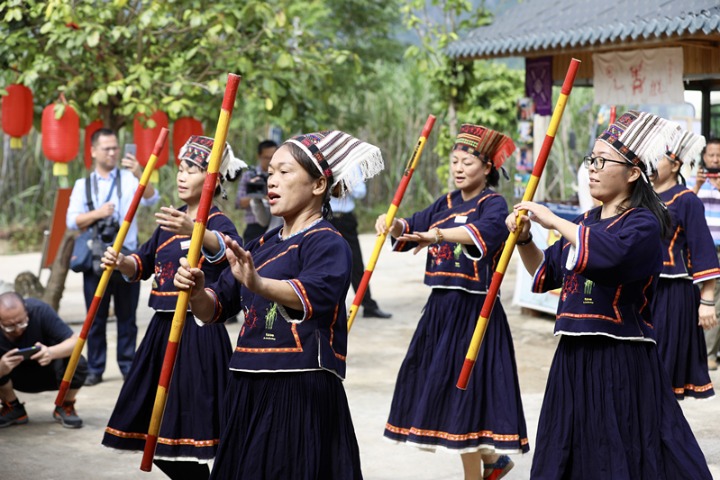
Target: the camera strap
(94, 186)
(88, 195)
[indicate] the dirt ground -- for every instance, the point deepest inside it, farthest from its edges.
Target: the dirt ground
(43, 449)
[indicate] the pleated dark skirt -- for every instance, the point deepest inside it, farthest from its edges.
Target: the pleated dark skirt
(190, 428)
(681, 342)
(429, 411)
(293, 425)
(609, 413)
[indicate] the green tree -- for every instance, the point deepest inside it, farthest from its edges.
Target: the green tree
(466, 91)
(124, 57)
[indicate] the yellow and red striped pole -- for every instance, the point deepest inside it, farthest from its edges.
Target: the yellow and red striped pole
(394, 205)
(105, 278)
(499, 273)
(178, 322)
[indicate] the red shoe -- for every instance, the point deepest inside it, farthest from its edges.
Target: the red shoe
(499, 469)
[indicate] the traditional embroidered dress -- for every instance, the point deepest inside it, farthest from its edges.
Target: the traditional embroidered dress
(286, 414)
(688, 258)
(428, 410)
(191, 424)
(609, 411)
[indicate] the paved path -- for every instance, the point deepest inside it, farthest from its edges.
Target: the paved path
(43, 449)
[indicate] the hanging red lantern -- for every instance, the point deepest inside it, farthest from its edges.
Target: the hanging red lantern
(145, 138)
(17, 113)
(60, 137)
(89, 130)
(184, 128)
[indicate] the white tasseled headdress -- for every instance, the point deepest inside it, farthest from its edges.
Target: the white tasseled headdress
(340, 157)
(197, 150)
(687, 148)
(641, 138)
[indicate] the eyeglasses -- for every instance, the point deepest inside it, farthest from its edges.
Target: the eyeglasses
(12, 328)
(598, 163)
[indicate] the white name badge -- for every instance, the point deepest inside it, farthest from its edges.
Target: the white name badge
(185, 245)
(461, 219)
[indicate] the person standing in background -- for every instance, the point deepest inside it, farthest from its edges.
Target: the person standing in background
(343, 218)
(684, 302)
(253, 188)
(707, 188)
(112, 191)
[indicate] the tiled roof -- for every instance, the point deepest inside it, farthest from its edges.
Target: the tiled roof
(540, 25)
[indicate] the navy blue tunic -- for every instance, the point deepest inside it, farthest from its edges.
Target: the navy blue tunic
(609, 409)
(428, 410)
(190, 429)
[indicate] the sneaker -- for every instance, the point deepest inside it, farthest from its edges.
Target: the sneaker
(375, 313)
(67, 415)
(93, 379)
(12, 413)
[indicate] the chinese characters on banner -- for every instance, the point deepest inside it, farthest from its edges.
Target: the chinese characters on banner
(639, 76)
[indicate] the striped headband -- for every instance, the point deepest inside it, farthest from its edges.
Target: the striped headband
(341, 158)
(687, 147)
(484, 143)
(641, 138)
(197, 150)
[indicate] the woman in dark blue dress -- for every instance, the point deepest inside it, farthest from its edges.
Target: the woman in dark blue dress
(465, 233)
(609, 410)
(680, 309)
(286, 415)
(190, 429)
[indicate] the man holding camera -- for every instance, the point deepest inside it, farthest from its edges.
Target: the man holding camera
(253, 188)
(35, 347)
(110, 196)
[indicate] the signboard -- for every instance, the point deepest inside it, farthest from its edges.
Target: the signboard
(639, 76)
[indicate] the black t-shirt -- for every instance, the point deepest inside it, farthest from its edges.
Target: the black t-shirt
(44, 326)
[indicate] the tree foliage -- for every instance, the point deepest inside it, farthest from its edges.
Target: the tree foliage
(116, 58)
(479, 92)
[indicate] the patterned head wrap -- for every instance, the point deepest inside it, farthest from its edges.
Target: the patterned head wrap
(341, 158)
(687, 147)
(641, 138)
(485, 144)
(197, 150)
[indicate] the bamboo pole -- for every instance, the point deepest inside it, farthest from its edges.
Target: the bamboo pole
(105, 278)
(178, 322)
(392, 210)
(499, 273)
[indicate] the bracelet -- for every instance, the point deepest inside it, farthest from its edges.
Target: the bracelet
(438, 235)
(527, 241)
(708, 303)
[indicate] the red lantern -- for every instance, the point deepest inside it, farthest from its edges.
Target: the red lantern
(60, 137)
(17, 113)
(89, 130)
(145, 138)
(184, 128)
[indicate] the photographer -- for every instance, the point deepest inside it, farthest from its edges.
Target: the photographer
(111, 193)
(35, 346)
(252, 191)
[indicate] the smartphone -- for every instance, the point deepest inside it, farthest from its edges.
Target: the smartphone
(27, 352)
(130, 148)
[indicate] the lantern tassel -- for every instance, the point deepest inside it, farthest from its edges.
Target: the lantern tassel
(16, 143)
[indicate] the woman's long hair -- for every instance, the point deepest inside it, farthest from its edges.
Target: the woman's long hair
(644, 196)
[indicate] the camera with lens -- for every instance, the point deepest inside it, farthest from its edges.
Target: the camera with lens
(709, 172)
(257, 186)
(108, 229)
